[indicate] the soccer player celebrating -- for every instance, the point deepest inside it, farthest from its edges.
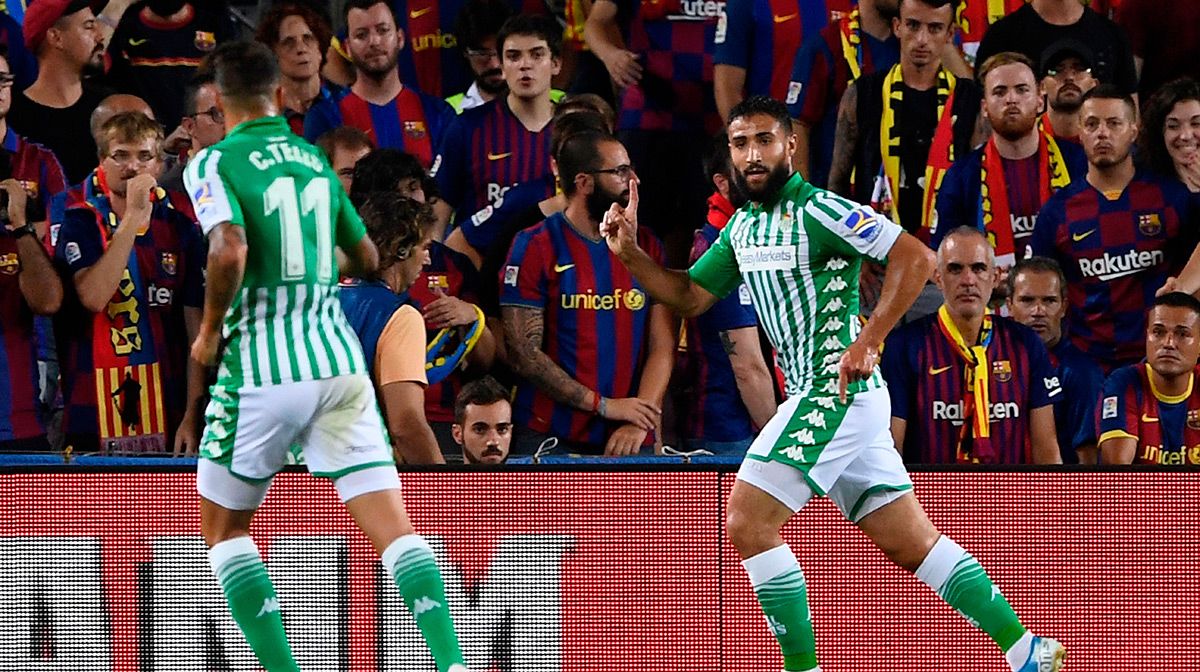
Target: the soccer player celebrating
(1150, 411)
(968, 386)
(392, 114)
(799, 250)
(290, 368)
(1000, 187)
(1118, 234)
(1037, 298)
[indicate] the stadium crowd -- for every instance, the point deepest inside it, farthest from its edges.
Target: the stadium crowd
(1048, 151)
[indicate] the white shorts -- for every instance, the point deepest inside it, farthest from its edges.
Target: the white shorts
(846, 453)
(249, 433)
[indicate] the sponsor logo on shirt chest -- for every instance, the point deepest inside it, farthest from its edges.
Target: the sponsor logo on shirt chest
(1112, 266)
(629, 299)
(767, 258)
(1167, 456)
(698, 9)
(953, 412)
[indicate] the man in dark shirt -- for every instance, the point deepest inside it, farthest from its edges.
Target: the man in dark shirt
(54, 111)
(1041, 22)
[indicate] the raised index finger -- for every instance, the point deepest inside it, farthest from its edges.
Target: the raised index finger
(633, 198)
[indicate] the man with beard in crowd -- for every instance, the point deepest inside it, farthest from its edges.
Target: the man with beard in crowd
(593, 353)
(476, 26)
(392, 114)
(1066, 77)
(483, 422)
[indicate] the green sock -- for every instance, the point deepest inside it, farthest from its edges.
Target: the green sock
(410, 562)
(956, 576)
(252, 601)
(779, 584)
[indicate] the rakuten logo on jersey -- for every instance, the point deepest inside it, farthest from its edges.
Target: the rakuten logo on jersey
(692, 10)
(1001, 410)
(1113, 266)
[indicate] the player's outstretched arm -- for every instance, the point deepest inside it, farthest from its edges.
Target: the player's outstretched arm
(910, 265)
(226, 265)
(673, 289)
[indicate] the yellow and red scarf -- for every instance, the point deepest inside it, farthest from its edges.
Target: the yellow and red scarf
(941, 152)
(995, 212)
(976, 403)
(852, 49)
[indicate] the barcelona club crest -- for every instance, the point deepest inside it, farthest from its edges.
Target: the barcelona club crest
(1002, 371)
(204, 40)
(414, 129)
(1149, 224)
(168, 261)
(1193, 419)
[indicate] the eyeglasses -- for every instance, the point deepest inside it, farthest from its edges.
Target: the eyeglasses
(124, 158)
(624, 171)
(213, 113)
(1065, 69)
(482, 54)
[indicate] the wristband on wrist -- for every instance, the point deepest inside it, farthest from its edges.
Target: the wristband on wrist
(21, 231)
(603, 408)
(595, 403)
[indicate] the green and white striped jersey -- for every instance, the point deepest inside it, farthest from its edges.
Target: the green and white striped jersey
(799, 255)
(286, 323)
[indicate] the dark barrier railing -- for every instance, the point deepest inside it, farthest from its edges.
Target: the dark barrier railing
(592, 567)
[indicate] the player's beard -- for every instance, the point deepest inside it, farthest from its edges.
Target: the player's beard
(1013, 128)
(378, 73)
(1069, 106)
(599, 201)
(776, 178)
(491, 82)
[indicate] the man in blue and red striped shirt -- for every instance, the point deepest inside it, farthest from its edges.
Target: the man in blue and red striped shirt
(756, 42)
(593, 353)
(733, 391)
(968, 386)
(394, 115)
(1118, 234)
(28, 286)
(506, 141)
(855, 45)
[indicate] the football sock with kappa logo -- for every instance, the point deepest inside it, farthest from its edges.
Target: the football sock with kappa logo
(956, 576)
(410, 562)
(252, 601)
(783, 595)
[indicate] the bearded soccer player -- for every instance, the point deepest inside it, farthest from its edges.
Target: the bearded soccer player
(290, 368)
(1000, 187)
(1150, 411)
(799, 249)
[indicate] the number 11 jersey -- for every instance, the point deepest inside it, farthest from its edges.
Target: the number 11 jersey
(285, 324)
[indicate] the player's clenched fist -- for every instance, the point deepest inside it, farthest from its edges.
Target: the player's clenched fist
(138, 188)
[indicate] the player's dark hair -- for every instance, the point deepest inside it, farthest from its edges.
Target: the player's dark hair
(569, 125)
(1036, 265)
(936, 4)
(1112, 92)
(202, 78)
(366, 5)
(343, 137)
(716, 159)
(482, 392)
(579, 154)
(268, 25)
(542, 27)
(1000, 60)
(477, 20)
(246, 73)
(396, 224)
(1178, 300)
(1154, 153)
(382, 170)
(585, 102)
(763, 105)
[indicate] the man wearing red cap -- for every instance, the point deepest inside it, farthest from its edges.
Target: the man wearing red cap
(67, 40)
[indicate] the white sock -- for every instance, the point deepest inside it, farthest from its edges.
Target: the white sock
(1019, 653)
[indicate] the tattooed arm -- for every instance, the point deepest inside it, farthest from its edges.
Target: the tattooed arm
(523, 332)
(754, 382)
(845, 142)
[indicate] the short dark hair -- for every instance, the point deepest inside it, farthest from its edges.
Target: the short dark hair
(936, 4)
(1036, 265)
(1112, 92)
(382, 170)
(573, 123)
(1177, 300)
(1002, 59)
(763, 105)
(396, 224)
(268, 25)
(343, 137)
(542, 27)
(478, 19)
(198, 81)
(580, 102)
(482, 392)
(716, 159)
(365, 5)
(1154, 116)
(577, 155)
(246, 72)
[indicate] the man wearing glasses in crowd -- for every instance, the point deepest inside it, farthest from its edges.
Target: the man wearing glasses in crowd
(202, 122)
